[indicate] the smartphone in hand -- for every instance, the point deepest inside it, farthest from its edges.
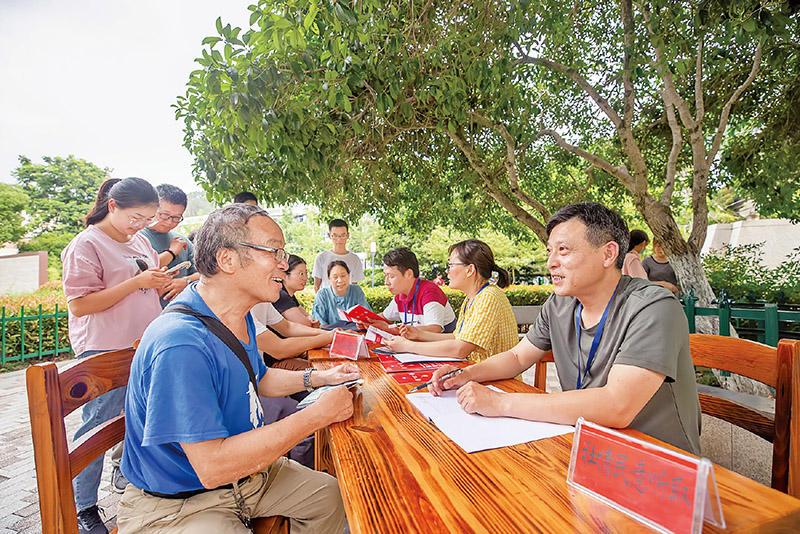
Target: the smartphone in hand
(178, 267)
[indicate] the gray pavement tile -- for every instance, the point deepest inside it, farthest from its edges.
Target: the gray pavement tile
(28, 510)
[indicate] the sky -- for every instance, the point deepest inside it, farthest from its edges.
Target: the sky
(96, 79)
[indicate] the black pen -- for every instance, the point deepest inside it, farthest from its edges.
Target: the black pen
(444, 377)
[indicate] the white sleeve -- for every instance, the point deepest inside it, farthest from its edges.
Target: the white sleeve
(391, 313)
(319, 267)
(356, 269)
(433, 313)
(273, 315)
(260, 328)
(265, 314)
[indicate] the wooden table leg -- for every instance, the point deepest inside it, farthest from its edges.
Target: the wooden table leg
(323, 461)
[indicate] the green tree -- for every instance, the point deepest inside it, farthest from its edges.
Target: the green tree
(61, 191)
(482, 110)
(13, 201)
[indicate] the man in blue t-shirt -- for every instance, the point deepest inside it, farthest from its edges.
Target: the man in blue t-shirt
(196, 453)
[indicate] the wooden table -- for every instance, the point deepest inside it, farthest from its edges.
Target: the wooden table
(398, 473)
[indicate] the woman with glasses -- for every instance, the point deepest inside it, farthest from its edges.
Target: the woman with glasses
(294, 280)
(339, 295)
(484, 326)
(111, 280)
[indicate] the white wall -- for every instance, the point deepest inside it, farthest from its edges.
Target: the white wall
(779, 236)
(22, 273)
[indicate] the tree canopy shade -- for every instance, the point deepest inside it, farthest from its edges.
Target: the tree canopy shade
(13, 201)
(458, 111)
(61, 191)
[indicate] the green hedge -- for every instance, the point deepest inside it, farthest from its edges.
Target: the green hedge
(379, 297)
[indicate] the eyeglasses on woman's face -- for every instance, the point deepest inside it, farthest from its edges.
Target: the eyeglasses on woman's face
(450, 264)
(140, 222)
(280, 254)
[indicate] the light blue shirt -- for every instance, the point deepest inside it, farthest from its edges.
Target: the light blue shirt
(327, 303)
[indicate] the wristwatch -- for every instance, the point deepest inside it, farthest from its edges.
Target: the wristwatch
(307, 378)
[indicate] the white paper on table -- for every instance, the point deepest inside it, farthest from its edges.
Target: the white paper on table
(410, 357)
(478, 433)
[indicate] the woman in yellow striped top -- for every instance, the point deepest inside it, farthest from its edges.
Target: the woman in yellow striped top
(485, 324)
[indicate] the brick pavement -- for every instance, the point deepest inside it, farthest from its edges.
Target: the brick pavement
(19, 502)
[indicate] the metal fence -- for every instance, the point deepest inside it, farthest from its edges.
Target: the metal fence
(762, 322)
(25, 337)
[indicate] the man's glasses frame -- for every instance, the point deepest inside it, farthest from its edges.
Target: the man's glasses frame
(172, 218)
(280, 254)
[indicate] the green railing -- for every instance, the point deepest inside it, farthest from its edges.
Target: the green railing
(765, 323)
(25, 337)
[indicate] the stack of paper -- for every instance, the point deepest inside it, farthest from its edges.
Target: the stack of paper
(476, 432)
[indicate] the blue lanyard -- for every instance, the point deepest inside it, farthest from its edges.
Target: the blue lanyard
(595, 341)
(469, 305)
(413, 301)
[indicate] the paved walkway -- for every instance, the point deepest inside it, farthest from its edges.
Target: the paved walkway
(19, 501)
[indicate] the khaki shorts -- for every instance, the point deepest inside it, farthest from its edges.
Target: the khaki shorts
(311, 499)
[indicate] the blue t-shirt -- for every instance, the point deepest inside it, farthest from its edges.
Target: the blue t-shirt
(185, 386)
(327, 302)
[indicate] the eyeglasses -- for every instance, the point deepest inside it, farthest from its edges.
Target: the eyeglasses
(448, 264)
(140, 221)
(173, 218)
(280, 254)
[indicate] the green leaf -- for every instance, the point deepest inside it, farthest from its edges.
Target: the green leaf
(211, 40)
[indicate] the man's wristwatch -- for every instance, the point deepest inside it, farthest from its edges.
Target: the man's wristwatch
(307, 378)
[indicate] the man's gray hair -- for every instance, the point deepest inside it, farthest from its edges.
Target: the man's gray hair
(224, 228)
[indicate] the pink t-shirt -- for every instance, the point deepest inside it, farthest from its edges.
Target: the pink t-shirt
(632, 266)
(93, 261)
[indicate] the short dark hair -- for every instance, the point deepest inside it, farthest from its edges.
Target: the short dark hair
(338, 223)
(476, 252)
(403, 259)
(172, 194)
(637, 237)
(243, 197)
(224, 228)
(293, 262)
(340, 263)
(602, 225)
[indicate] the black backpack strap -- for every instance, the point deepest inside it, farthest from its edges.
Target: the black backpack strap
(224, 334)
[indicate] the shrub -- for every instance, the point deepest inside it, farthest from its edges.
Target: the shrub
(739, 271)
(379, 297)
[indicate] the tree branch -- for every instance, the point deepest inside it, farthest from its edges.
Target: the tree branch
(627, 80)
(699, 102)
(671, 94)
(726, 110)
(494, 190)
(620, 173)
(572, 74)
(510, 164)
(672, 161)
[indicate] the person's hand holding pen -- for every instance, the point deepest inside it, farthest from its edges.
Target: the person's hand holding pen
(438, 386)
